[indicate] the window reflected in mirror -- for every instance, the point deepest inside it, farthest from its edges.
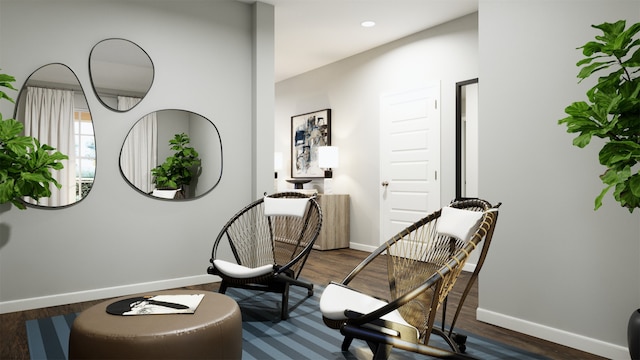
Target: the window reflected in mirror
(172, 154)
(119, 67)
(53, 109)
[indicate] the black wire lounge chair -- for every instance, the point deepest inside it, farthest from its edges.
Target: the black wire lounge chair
(270, 239)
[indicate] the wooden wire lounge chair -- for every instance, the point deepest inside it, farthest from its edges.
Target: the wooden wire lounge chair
(270, 239)
(423, 263)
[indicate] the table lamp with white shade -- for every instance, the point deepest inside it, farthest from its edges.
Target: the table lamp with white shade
(328, 159)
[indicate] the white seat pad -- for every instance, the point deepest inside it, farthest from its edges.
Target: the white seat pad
(239, 271)
(336, 299)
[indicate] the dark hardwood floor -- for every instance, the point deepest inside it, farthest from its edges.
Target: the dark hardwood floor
(321, 268)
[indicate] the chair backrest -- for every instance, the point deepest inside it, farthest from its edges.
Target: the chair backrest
(258, 239)
(421, 252)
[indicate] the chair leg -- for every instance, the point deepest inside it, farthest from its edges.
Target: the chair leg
(223, 287)
(461, 340)
(346, 343)
(284, 312)
(380, 351)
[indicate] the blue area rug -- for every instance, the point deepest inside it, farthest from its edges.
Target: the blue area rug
(302, 336)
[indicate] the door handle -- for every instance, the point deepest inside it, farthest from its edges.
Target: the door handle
(385, 183)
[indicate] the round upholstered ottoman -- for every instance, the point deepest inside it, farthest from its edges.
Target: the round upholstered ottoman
(214, 331)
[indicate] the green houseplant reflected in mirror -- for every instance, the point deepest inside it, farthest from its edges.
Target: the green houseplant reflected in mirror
(26, 165)
(177, 171)
(148, 144)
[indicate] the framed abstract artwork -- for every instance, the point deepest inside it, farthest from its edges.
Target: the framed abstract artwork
(308, 132)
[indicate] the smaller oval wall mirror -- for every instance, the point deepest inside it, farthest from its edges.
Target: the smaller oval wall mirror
(172, 154)
(119, 67)
(53, 109)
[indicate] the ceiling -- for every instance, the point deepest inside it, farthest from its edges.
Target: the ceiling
(313, 33)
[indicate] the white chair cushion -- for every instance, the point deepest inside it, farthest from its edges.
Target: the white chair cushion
(285, 207)
(336, 299)
(458, 223)
(239, 271)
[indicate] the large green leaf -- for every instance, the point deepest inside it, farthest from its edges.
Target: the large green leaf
(586, 71)
(634, 60)
(9, 128)
(598, 201)
(5, 81)
(6, 190)
(615, 152)
(634, 184)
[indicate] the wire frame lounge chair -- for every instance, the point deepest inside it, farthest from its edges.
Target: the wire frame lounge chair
(270, 239)
(423, 263)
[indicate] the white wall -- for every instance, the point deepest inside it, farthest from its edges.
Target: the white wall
(351, 89)
(117, 241)
(557, 269)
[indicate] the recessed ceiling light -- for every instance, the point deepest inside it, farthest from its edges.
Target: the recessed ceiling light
(368, 23)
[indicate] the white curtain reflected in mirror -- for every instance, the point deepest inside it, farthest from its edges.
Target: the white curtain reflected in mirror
(53, 109)
(148, 145)
(49, 118)
(140, 149)
(119, 67)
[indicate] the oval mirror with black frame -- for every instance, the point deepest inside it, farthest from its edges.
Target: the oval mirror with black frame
(118, 68)
(53, 108)
(165, 139)
(467, 138)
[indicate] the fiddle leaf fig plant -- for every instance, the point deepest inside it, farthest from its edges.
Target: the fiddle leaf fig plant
(612, 109)
(25, 164)
(178, 169)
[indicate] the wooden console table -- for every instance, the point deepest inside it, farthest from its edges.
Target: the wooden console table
(335, 230)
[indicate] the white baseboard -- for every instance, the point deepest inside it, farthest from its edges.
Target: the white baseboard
(104, 293)
(576, 341)
(362, 247)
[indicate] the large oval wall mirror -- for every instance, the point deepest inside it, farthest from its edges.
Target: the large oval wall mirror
(164, 144)
(53, 108)
(117, 68)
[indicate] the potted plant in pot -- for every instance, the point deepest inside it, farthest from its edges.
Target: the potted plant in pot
(612, 112)
(177, 171)
(25, 164)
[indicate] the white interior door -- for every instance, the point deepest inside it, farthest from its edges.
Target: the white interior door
(410, 157)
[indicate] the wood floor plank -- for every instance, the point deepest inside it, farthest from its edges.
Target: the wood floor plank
(321, 268)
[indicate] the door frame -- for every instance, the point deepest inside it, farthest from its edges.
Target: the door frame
(459, 137)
